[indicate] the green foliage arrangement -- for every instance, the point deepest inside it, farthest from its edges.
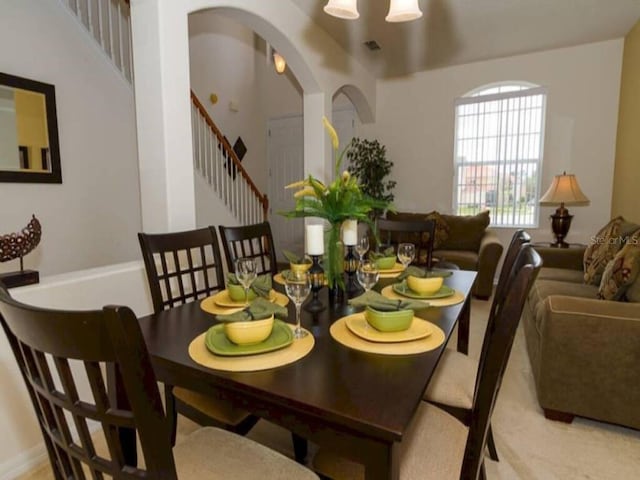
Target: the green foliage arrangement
(368, 161)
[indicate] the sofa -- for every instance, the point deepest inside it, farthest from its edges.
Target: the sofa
(582, 329)
(466, 241)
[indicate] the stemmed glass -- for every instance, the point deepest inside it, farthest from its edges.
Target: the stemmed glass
(406, 253)
(367, 275)
(298, 286)
(246, 273)
(362, 247)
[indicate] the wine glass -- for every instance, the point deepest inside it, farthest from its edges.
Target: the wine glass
(362, 247)
(246, 273)
(367, 275)
(298, 286)
(406, 253)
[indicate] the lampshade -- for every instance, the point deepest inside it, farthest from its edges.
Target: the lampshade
(347, 9)
(279, 62)
(403, 11)
(564, 189)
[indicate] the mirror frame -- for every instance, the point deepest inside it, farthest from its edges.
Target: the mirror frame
(49, 91)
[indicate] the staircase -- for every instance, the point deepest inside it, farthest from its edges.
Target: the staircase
(109, 24)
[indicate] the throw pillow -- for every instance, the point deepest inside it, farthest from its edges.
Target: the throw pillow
(442, 229)
(603, 247)
(465, 231)
(620, 273)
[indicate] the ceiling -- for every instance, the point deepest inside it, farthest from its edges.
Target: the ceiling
(453, 32)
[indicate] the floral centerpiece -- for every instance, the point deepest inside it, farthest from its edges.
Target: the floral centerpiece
(343, 199)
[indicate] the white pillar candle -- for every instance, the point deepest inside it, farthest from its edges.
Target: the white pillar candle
(315, 239)
(350, 232)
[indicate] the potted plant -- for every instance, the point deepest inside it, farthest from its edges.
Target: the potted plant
(368, 162)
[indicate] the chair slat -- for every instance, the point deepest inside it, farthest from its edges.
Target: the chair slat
(252, 241)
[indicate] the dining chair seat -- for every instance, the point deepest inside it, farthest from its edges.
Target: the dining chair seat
(431, 449)
(232, 456)
(222, 410)
(453, 381)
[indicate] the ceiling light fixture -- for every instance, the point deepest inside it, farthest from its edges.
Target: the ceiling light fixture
(279, 62)
(399, 10)
(403, 11)
(347, 9)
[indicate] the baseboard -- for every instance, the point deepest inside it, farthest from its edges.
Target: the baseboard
(24, 462)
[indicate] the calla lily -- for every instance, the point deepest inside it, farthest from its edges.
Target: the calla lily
(335, 142)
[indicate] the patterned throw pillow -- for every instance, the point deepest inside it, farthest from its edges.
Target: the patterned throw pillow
(442, 229)
(601, 251)
(620, 273)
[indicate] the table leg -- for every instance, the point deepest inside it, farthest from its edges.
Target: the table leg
(385, 465)
(300, 448)
(463, 327)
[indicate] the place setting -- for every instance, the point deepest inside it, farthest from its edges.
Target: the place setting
(252, 333)
(236, 296)
(421, 284)
(386, 326)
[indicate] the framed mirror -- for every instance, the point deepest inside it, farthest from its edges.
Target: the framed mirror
(29, 148)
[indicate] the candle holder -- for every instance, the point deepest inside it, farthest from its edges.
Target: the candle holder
(316, 275)
(350, 268)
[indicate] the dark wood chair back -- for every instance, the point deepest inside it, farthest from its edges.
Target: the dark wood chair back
(412, 231)
(44, 343)
(519, 238)
(253, 241)
(490, 372)
(182, 266)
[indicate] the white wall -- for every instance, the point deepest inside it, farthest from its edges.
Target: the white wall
(221, 56)
(415, 120)
(92, 218)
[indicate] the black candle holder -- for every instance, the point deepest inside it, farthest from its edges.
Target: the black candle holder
(316, 276)
(350, 268)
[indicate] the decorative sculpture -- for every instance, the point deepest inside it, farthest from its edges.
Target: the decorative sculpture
(17, 245)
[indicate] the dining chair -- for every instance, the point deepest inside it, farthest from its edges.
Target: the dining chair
(62, 357)
(419, 232)
(437, 445)
(253, 241)
(453, 383)
(183, 267)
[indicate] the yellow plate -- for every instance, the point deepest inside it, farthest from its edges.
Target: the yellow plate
(222, 299)
(357, 324)
(210, 305)
(397, 268)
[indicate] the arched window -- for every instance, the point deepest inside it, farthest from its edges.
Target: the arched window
(499, 140)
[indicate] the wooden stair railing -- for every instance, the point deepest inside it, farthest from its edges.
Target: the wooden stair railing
(215, 159)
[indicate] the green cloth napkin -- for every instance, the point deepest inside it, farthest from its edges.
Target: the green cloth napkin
(261, 285)
(384, 304)
(295, 258)
(414, 271)
(257, 310)
(389, 252)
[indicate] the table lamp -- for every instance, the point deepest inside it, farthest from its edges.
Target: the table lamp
(564, 190)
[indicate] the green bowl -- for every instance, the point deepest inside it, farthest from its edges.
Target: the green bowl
(236, 293)
(385, 263)
(395, 321)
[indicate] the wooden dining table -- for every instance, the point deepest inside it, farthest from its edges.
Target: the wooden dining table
(355, 403)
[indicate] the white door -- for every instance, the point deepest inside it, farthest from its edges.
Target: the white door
(286, 165)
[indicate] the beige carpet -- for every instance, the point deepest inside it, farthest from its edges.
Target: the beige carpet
(530, 446)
